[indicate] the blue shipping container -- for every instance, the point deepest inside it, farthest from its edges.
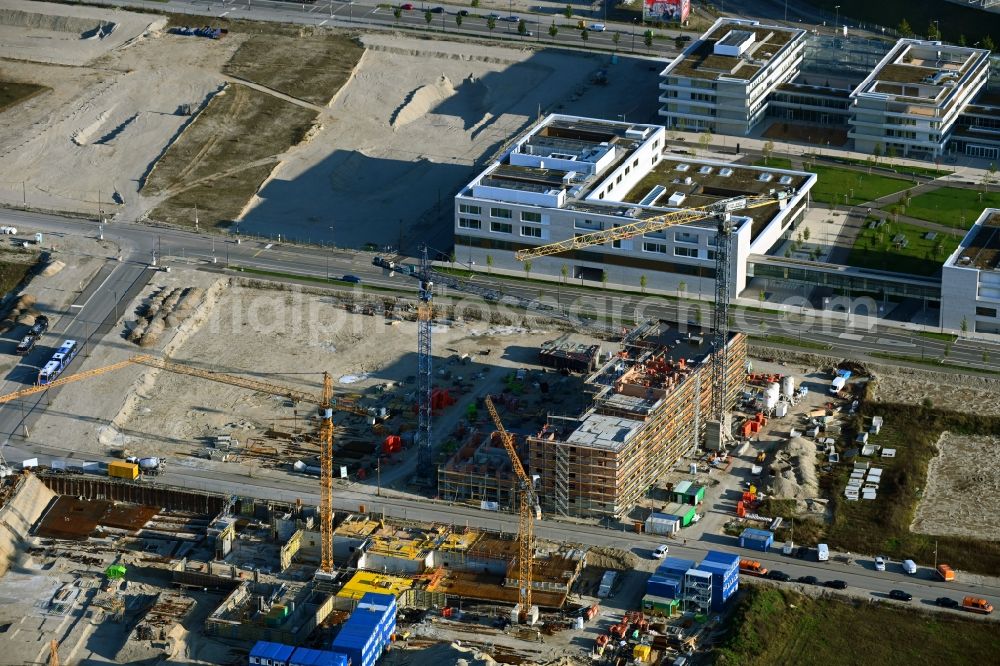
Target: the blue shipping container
(274, 654)
(756, 539)
(721, 557)
(309, 657)
(675, 565)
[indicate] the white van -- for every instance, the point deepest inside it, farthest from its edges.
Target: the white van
(8, 231)
(822, 552)
(910, 567)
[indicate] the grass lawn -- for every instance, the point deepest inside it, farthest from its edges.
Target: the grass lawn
(779, 626)
(904, 169)
(874, 248)
(952, 206)
(222, 158)
(774, 163)
(833, 182)
(13, 267)
(883, 526)
(312, 69)
(15, 92)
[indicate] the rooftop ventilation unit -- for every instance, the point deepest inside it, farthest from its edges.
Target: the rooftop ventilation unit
(726, 172)
(765, 177)
(785, 180)
(682, 167)
(705, 170)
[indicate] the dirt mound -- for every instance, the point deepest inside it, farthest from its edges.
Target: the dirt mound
(604, 557)
(168, 308)
(53, 268)
(23, 312)
(795, 471)
(421, 101)
(21, 19)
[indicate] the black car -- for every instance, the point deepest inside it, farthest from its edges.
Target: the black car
(353, 279)
(808, 580)
(946, 602)
(684, 38)
(40, 326)
(778, 575)
(836, 584)
(801, 552)
(900, 595)
(462, 12)
(437, 10)
(26, 344)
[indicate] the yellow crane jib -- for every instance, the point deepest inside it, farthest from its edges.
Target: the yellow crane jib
(650, 225)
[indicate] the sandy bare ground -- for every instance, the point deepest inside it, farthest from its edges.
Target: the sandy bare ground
(410, 127)
(959, 393)
(963, 489)
(67, 35)
(107, 118)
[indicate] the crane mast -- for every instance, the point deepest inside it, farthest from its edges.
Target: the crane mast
(526, 515)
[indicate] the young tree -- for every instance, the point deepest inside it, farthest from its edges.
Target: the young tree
(993, 171)
(474, 4)
(553, 30)
(805, 233)
(904, 28)
(428, 17)
(932, 31)
(568, 12)
(877, 152)
(647, 39)
(489, 263)
(964, 325)
(681, 288)
(397, 12)
(491, 23)
(763, 295)
(458, 20)
(987, 43)
(522, 27)
(564, 271)
(604, 279)
(986, 357)
(678, 42)
(947, 349)
(527, 268)
(961, 40)
(642, 283)
(615, 37)
(705, 140)
(767, 150)
(585, 35)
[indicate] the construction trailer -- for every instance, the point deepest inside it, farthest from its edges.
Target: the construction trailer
(650, 404)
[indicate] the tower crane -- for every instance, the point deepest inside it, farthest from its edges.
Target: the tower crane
(527, 512)
(326, 401)
(721, 212)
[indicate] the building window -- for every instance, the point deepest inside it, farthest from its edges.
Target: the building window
(711, 254)
(686, 252)
(635, 162)
(654, 247)
(531, 232)
(986, 312)
(502, 227)
(588, 225)
(502, 213)
(469, 223)
(527, 216)
(685, 237)
(469, 208)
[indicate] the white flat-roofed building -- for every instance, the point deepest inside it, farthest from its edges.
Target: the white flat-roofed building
(910, 103)
(722, 81)
(569, 176)
(970, 279)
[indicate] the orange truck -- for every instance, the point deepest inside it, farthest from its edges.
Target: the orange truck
(977, 605)
(752, 568)
(947, 573)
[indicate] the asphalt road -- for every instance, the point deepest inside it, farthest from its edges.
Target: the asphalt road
(368, 13)
(850, 339)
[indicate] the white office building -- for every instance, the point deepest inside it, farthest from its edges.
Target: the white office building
(722, 81)
(970, 279)
(569, 176)
(910, 103)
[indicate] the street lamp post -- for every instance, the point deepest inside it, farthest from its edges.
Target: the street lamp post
(836, 22)
(633, 35)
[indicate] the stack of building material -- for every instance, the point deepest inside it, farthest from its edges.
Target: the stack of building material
(725, 570)
(757, 539)
(366, 633)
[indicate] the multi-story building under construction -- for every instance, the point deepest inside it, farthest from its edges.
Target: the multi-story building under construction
(652, 400)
